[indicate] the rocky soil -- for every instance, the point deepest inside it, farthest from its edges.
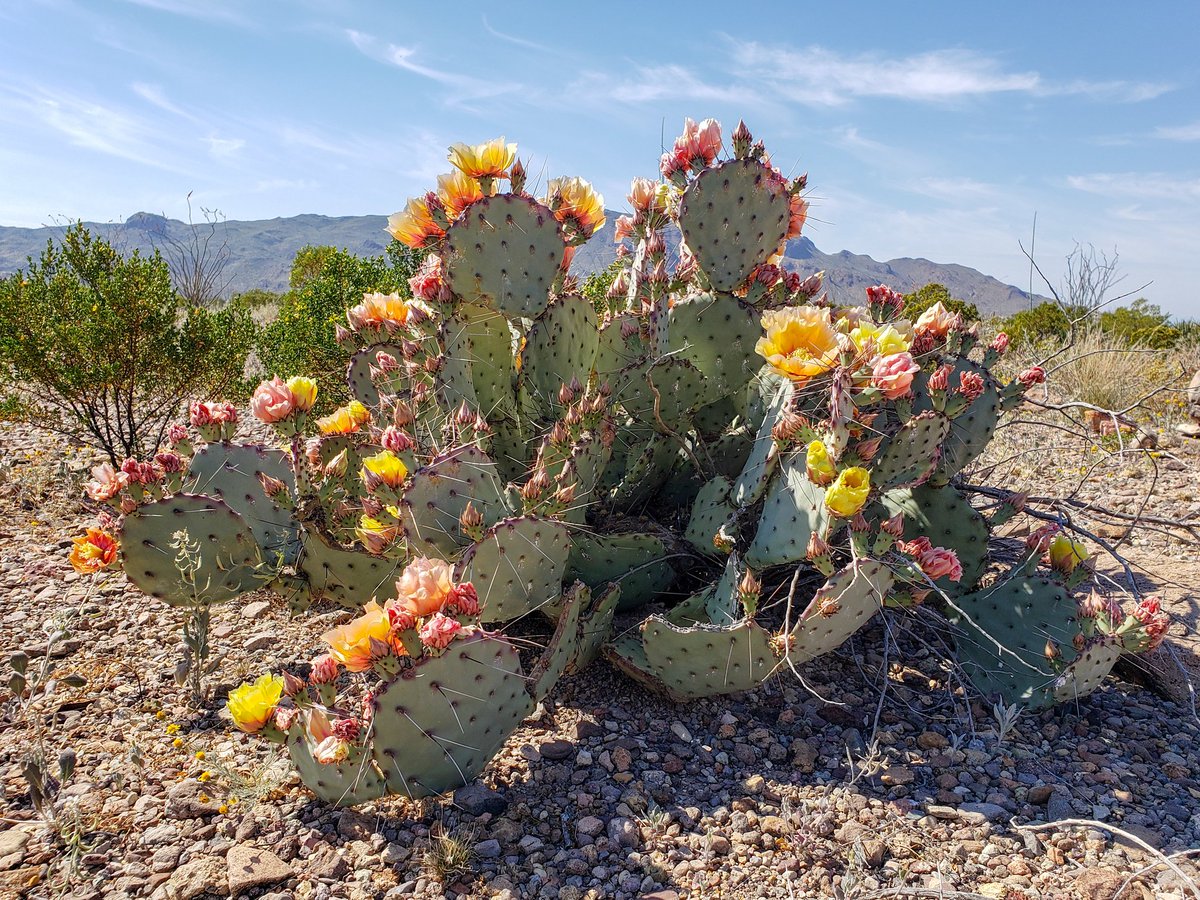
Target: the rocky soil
(871, 774)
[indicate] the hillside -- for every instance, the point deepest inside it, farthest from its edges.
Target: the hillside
(261, 252)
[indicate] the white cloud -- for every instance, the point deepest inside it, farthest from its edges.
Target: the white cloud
(466, 87)
(1137, 185)
(156, 96)
(1179, 132)
(223, 148)
(651, 84)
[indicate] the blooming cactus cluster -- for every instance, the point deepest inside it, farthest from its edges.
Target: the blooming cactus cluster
(512, 449)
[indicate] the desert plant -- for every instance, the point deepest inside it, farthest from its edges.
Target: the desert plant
(506, 440)
(325, 282)
(100, 347)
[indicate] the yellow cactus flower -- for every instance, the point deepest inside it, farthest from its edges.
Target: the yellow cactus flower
(345, 419)
(414, 226)
(385, 466)
(491, 159)
(1066, 553)
(574, 200)
(304, 390)
(350, 644)
(800, 341)
(377, 536)
(251, 705)
(458, 191)
(820, 467)
(378, 311)
(885, 338)
(847, 495)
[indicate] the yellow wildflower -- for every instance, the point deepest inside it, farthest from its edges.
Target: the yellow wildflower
(848, 493)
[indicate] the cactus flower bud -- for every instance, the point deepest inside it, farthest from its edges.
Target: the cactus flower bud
(938, 562)
(818, 465)
(517, 176)
(859, 523)
(292, 685)
(342, 335)
(465, 600)
(1000, 343)
(177, 434)
(893, 526)
(817, 546)
(271, 486)
(940, 379)
(866, 450)
(439, 631)
(970, 385)
(742, 139)
(402, 414)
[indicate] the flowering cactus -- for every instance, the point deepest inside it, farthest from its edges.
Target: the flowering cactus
(507, 434)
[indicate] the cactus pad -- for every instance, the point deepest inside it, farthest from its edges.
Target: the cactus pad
(560, 346)
(764, 454)
(595, 628)
(912, 453)
(230, 473)
(842, 606)
(794, 508)
(517, 567)
(349, 578)
(721, 603)
(707, 660)
(564, 644)
(438, 493)
(664, 394)
(1088, 671)
(1017, 640)
(711, 510)
(230, 562)
(439, 722)
(944, 516)
(358, 373)
(733, 217)
(636, 561)
(354, 780)
(504, 252)
(970, 431)
(716, 333)
(479, 367)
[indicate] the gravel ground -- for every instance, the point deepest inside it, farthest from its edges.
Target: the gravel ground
(869, 776)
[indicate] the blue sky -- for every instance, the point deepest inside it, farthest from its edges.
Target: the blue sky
(933, 129)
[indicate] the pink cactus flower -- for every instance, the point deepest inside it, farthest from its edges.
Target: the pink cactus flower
(1153, 619)
(177, 434)
(916, 547)
(937, 321)
(1039, 539)
(797, 215)
(465, 600)
(428, 283)
(284, 717)
(346, 729)
(893, 374)
(169, 461)
(140, 472)
(882, 295)
(439, 631)
(324, 669)
(699, 144)
(940, 380)
(939, 562)
(1000, 343)
(399, 617)
(893, 526)
(106, 483)
(200, 414)
(670, 164)
(331, 750)
(970, 385)
(273, 401)
(622, 229)
(425, 586)
(642, 194)
(1031, 376)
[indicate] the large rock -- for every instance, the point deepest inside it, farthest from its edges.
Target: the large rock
(250, 867)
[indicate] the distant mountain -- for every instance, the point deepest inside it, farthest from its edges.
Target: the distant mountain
(261, 253)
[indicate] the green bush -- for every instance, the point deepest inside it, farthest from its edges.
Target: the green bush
(595, 286)
(1045, 322)
(325, 283)
(102, 348)
(1142, 324)
(919, 301)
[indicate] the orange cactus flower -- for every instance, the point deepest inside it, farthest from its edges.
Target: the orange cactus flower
(94, 551)
(425, 586)
(414, 226)
(458, 191)
(378, 311)
(345, 419)
(491, 159)
(350, 644)
(575, 201)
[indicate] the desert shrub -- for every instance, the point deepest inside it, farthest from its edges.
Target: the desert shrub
(919, 301)
(595, 286)
(1141, 323)
(325, 283)
(1046, 322)
(102, 348)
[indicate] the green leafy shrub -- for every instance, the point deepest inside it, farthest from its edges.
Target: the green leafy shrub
(919, 301)
(102, 348)
(325, 282)
(1141, 324)
(1045, 322)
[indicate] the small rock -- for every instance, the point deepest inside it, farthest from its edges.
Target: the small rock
(165, 859)
(530, 753)
(622, 759)
(754, 784)
(476, 799)
(1058, 807)
(978, 813)
(774, 825)
(489, 849)
(355, 826)
(12, 846)
(256, 609)
(530, 843)
(624, 832)
(1039, 793)
(249, 867)
(206, 875)
(681, 732)
(557, 750)
(873, 851)
(896, 775)
(1099, 883)
(590, 826)
(260, 641)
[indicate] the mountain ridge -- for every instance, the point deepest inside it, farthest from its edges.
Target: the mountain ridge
(261, 253)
